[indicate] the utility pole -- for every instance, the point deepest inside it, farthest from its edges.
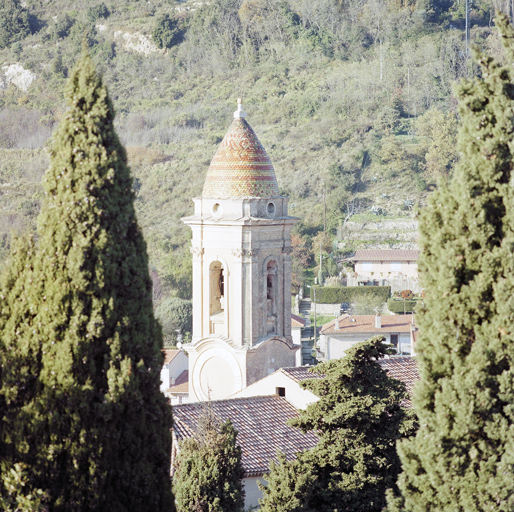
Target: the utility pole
(320, 273)
(325, 210)
(315, 321)
(467, 28)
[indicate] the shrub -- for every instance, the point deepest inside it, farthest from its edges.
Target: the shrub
(402, 306)
(407, 294)
(167, 33)
(335, 295)
(97, 12)
(14, 22)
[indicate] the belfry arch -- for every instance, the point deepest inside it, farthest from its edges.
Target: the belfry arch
(217, 298)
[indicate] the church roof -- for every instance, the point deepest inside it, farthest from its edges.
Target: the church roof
(261, 422)
(241, 167)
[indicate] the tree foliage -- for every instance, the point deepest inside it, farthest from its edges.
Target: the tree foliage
(80, 348)
(14, 22)
(167, 32)
(175, 314)
(208, 472)
(439, 133)
(359, 418)
(461, 458)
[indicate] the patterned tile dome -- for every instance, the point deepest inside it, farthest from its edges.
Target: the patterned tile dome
(241, 166)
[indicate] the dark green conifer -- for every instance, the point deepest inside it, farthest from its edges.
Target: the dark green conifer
(98, 431)
(462, 458)
(208, 471)
(359, 418)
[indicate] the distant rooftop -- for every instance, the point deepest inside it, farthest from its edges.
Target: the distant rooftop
(299, 373)
(170, 354)
(181, 384)
(404, 369)
(366, 324)
(261, 422)
(297, 321)
(386, 255)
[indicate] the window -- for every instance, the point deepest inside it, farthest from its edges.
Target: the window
(394, 340)
(280, 391)
(396, 266)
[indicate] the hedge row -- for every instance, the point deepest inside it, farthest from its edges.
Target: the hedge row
(397, 306)
(336, 295)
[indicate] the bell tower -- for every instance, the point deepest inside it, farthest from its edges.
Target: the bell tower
(241, 246)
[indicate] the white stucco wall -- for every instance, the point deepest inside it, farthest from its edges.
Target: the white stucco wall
(295, 395)
(173, 369)
(384, 269)
(296, 334)
(334, 346)
(252, 492)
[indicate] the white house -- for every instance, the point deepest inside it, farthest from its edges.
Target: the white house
(175, 364)
(285, 382)
(397, 268)
(340, 334)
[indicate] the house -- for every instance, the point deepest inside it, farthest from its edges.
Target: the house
(405, 369)
(397, 268)
(178, 393)
(262, 426)
(340, 334)
(285, 382)
(172, 372)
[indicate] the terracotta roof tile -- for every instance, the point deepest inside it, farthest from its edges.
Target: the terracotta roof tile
(241, 166)
(181, 384)
(299, 373)
(404, 369)
(386, 255)
(366, 323)
(169, 354)
(261, 422)
(297, 321)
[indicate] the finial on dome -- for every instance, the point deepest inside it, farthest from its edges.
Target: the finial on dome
(239, 112)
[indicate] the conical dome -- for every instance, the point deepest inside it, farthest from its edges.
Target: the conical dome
(241, 166)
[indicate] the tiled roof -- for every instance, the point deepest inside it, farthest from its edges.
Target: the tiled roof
(241, 166)
(299, 373)
(404, 369)
(181, 384)
(366, 323)
(297, 321)
(169, 354)
(386, 255)
(261, 422)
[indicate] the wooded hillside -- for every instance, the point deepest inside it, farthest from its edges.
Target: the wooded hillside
(351, 99)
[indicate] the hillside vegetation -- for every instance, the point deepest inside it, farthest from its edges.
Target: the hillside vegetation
(351, 99)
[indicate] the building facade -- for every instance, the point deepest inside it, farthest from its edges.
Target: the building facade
(241, 246)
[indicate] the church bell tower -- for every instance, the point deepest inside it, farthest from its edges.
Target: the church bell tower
(241, 247)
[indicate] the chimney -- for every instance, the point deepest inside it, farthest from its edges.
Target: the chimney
(378, 322)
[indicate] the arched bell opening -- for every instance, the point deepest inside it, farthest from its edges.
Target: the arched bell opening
(271, 297)
(217, 298)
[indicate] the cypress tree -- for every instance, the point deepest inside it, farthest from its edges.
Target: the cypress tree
(359, 418)
(96, 433)
(462, 458)
(208, 470)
